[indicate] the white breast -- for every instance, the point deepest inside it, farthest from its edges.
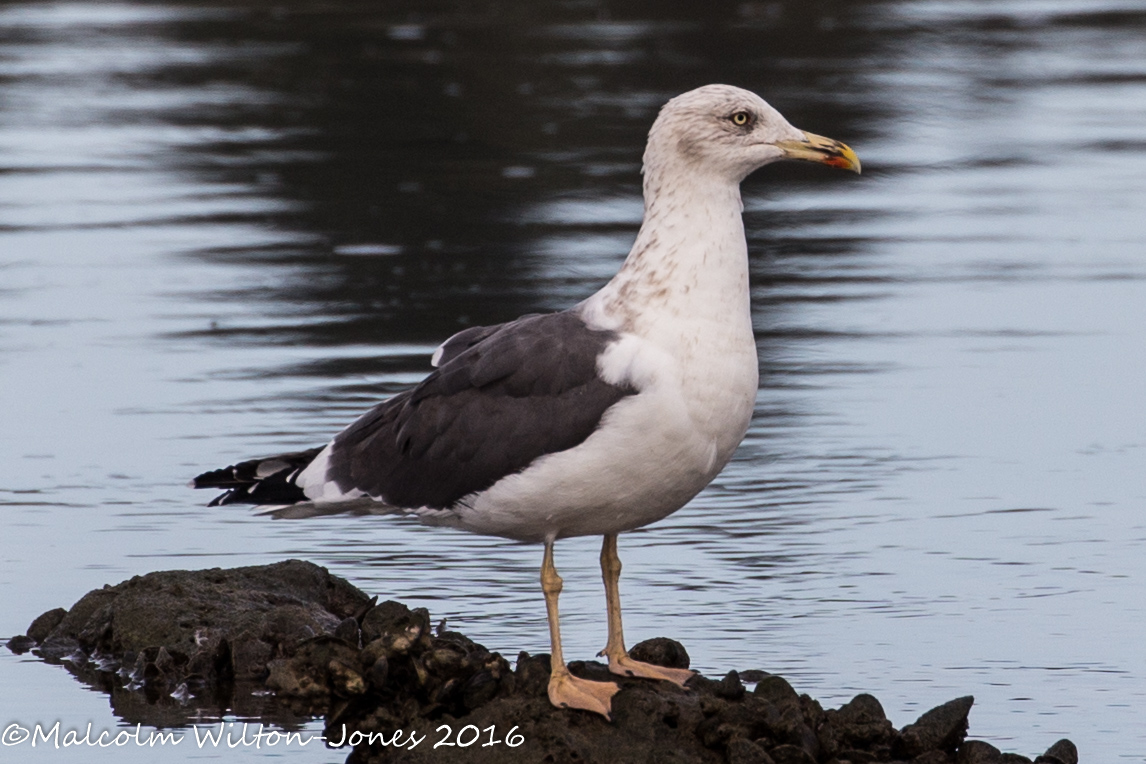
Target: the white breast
(652, 452)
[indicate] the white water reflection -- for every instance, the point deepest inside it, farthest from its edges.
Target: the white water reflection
(942, 490)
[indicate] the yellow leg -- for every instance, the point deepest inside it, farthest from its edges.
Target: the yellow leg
(566, 690)
(619, 660)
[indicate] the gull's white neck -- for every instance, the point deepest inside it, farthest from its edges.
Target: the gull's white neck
(681, 305)
(689, 263)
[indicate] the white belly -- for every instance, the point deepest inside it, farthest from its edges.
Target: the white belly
(651, 454)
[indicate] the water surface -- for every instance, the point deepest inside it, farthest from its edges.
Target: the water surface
(227, 229)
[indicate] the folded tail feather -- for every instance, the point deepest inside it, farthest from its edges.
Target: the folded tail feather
(259, 481)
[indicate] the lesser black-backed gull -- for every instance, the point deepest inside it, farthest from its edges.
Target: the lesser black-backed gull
(595, 420)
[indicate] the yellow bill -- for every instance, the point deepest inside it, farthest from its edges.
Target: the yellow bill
(817, 148)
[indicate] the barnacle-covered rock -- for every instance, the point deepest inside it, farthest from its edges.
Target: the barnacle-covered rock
(271, 641)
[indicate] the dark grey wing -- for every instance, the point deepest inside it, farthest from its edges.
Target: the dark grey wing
(464, 340)
(526, 389)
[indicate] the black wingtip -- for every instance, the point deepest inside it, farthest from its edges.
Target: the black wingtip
(259, 481)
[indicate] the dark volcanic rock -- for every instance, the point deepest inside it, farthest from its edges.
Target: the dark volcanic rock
(242, 616)
(195, 632)
(730, 687)
(42, 626)
(791, 754)
(20, 644)
(169, 644)
(741, 751)
(775, 689)
(942, 728)
(978, 752)
(859, 725)
(933, 757)
(1062, 752)
(532, 674)
(397, 625)
(661, 651)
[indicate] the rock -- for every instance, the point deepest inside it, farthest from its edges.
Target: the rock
(978, 752)
(197, 632)
(532, 674)
(289, 683)
(378, 672)
(344, 680)
(1062, 752)
(347, 631)
(933, 757)
(480, 689)
(741, 751)
(859, 725)
(77, 619)
(397, 626)
(594, 671)
(55, 649)
(20, 644)
(730, 687)
(776, 690)
(319, 667)
(791, 754)
(43, 625)
(1015, 758)
(169, 646)
(862, 709)
(445, 657)
(280, 605)
(661, 651)
(942, 728)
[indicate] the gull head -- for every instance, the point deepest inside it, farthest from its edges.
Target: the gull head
(729, 132)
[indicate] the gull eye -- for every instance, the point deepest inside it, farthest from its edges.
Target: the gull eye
(740, 118)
